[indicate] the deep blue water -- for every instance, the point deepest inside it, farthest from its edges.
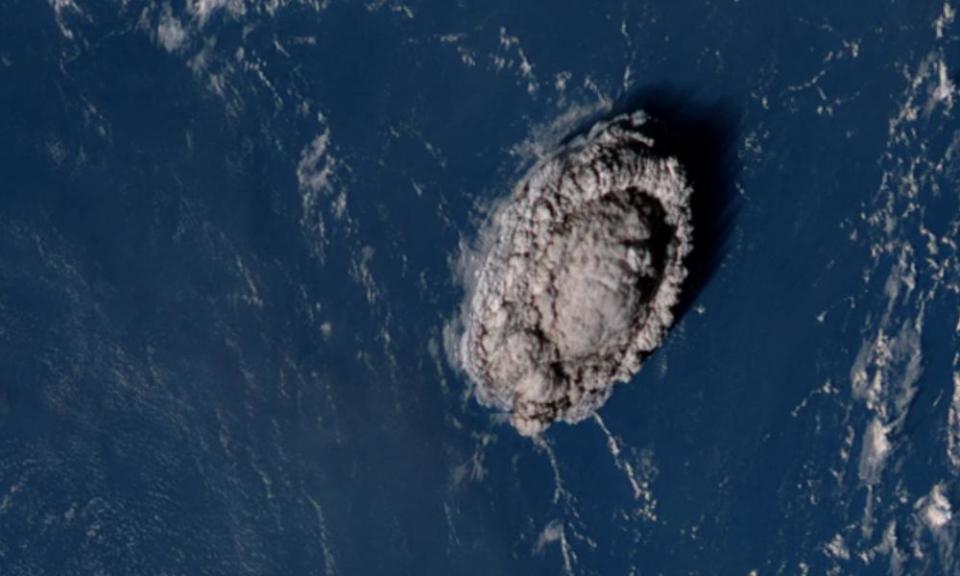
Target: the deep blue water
(208, 366)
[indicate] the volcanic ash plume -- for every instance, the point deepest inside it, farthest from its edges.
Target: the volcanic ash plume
(576, 283)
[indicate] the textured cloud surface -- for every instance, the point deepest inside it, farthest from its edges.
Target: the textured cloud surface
(578, 281)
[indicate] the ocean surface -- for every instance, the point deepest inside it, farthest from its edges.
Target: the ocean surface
(229, 233)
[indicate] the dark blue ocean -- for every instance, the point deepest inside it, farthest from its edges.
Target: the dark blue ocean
(229, 232)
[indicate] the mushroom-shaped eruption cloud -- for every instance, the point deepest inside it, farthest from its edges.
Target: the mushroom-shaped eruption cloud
(579, 278)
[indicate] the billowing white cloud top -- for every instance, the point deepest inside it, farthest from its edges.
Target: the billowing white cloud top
(578, 278)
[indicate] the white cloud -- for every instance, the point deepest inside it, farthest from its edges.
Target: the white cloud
(203, 9)
(934, 508)
(170, 32)
(873, 455)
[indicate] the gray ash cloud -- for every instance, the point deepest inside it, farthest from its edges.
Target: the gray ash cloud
(579, 276)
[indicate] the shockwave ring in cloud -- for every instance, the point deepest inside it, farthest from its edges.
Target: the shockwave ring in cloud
(578, 280)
